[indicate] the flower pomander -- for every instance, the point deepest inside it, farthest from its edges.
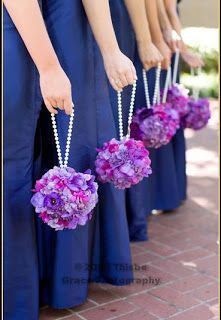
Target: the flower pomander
(65, 198)
(178, 97)
(154, 126)
(170, 118)
(198, 115)
(123, 163)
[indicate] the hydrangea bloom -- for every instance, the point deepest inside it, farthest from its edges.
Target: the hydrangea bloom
(198, 115)
(65, 198)
(155, 126)
(178, 97)
(123, 163)
(170, 118)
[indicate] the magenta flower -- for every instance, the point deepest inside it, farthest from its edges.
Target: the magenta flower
(123, 163)
(65, 198)
(198, 115)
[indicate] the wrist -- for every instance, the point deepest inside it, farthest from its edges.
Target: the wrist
(109, 49)
(167, 30)
(172, 13)
(146, 40)
(48, 65)
(158, 41)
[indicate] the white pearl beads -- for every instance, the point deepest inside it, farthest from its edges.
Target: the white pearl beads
(157, 85)
(63, 163)
(167, 85)
(156, 95)
(130, 114)
(176, 65)
(146, 90)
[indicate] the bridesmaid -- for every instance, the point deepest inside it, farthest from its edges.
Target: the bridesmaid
(165, 192)
(71, 258)
(171, 29)
(25, 38)
(128, 15)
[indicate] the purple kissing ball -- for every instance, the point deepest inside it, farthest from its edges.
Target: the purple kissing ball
(65, 198)
(198, 115)
(123, 163)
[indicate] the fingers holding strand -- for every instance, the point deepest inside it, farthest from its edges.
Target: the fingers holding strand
(50, 107)
(68, 105)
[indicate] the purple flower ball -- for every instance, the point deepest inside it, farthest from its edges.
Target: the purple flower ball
(178, 97)
(123, 163)
(65, 198)
(155, 126)
(198, 115)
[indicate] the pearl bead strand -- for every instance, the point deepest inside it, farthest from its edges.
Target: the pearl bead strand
(63, 163)
(156, 89)
(157, 84)
(176, 65)
(146, 89)
(167, 84)
(130, 114)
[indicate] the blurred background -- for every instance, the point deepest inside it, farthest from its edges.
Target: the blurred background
(200, 19)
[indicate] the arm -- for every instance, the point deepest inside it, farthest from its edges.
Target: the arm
(171, 9)
(55, 86)
(170, 35)
(120, 70)
(156, 34)
(148, 53)
(189, 57)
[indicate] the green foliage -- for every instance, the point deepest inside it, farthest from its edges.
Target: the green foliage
(208, 83)
(210, 59)
(203, 41)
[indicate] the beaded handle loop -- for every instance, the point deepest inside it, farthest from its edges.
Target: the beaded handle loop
(166, 85)
(120, 111)
(63, 162)
(156, 89)
(146, 89)
(176, 65)
(196, 90)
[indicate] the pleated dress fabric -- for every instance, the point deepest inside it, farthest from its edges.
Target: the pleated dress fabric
(22, 104)
(70, 259)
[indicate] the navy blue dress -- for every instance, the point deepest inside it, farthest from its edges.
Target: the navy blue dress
(167, 184)
(22, 104)
(137, 208)
(165, 188)
(71, 258)
(171, 180)
(179, 148)
(161, 187)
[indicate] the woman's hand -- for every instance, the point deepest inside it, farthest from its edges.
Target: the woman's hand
(172, 39)
(119, 69)
(192, 59)
(56, 90)
(166, 53)
(149, 55)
